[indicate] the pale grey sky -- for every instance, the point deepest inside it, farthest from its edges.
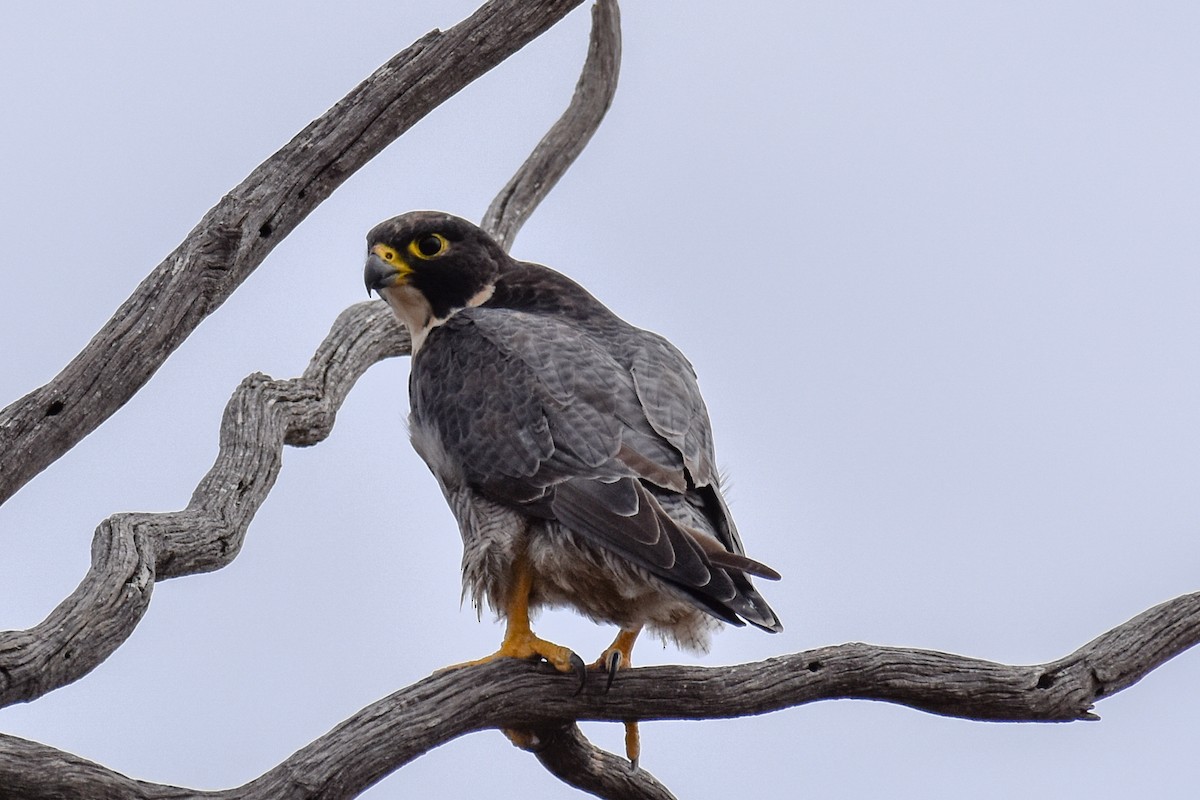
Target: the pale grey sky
(937, 265)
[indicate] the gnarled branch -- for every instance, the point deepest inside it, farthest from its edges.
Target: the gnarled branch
(566, 753)
(513, 694)
(130, 551)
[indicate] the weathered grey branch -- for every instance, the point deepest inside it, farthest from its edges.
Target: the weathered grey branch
(237, 234)
(566, 139)
(512, 694)
(131, 551)
(567, 754)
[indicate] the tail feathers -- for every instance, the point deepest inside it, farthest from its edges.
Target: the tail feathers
(744, 600)
(747, 603)
(738, 606)
(728, 560)
(763, 617)
(751, 606)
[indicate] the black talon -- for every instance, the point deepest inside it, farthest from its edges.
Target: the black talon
(612, 665)
(580, 670)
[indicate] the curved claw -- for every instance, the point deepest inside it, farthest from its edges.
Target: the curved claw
(580, 670)
(611, 665)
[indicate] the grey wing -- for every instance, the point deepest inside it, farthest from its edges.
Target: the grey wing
(670, 397)
(537, 414)
(519, 403)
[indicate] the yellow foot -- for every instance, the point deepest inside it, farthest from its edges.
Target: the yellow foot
(527, 646)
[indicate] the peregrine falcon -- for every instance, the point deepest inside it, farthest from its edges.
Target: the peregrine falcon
(573, 448)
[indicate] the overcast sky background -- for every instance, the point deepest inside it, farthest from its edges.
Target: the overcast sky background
(937, 265)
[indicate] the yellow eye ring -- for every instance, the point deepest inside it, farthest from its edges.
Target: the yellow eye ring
(428, 245)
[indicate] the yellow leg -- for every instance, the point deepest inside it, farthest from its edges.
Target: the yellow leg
(519, 639)
(619, 655)
(633, 744)
(520, 642)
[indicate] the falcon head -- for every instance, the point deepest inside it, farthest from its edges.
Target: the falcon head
(428, 265)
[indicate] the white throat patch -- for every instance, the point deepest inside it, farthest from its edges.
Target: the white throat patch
(411, 308)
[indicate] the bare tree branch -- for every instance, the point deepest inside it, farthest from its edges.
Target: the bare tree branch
(130, 551)
(513, 694)
(566, 139)
(567, 754)
(237, 234)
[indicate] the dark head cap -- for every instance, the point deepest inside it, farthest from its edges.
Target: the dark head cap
(446, 258)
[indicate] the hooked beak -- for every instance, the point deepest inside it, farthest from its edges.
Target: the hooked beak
(379, 274)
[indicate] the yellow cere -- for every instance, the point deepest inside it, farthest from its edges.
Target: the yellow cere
(391, 256)
(388, 254)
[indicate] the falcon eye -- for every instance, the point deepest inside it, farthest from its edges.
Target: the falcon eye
(429, 245)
